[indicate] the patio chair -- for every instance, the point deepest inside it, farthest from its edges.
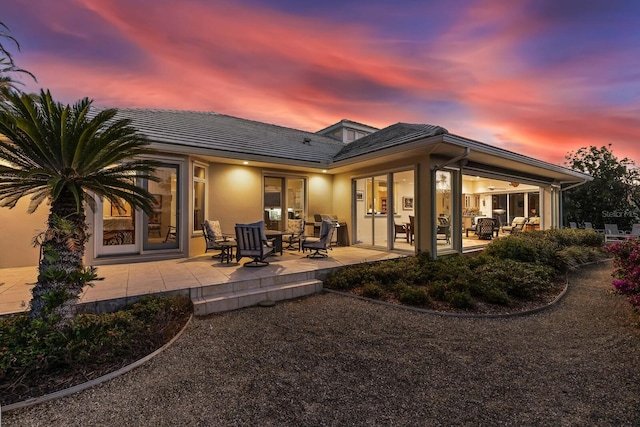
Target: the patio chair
(485, 228)
(212, 236)
(320, 244)
(474, 224)
(295, 233)
(443, 230)
(588, 225)
(516, 225)
(412, 229)
(613, 234)
(399, 229)
(252, 243)
(573, 225)
(611, 229)
(635, 230)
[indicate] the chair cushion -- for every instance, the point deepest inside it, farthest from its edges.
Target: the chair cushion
(213, 229)
(294, 226)
(326, 227)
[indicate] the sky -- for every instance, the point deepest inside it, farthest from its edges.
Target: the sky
(541, 78)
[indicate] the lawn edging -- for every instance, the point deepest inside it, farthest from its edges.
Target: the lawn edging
(83, 386)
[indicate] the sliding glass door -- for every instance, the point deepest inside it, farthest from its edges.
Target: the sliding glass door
(284, 198)
(162, 228)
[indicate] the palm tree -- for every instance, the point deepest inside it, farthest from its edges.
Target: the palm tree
(67, 155)
(7, 65)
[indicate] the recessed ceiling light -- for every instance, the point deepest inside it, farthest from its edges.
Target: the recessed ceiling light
(245, 163)
(324, 171)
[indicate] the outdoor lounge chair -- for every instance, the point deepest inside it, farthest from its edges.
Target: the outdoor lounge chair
(252, 243)
(295, 233)
(613, 234)
(320, 244)
(516, 225)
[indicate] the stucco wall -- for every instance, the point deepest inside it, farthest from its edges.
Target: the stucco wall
(234, 195)
(17, 229)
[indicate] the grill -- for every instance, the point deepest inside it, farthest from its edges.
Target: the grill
(340, 236)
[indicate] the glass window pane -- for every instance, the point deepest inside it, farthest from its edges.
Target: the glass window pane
(165, 214)
(118, 224)
(198, 204)
(442, 224)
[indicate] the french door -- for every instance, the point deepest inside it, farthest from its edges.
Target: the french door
(120, 230)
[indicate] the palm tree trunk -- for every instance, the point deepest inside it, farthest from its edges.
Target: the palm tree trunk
(60, 271)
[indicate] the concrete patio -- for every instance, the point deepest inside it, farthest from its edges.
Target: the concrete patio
(201, 277)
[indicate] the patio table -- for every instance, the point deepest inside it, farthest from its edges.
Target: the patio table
(277, 235)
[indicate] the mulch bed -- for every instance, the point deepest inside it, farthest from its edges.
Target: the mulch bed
(25, 389)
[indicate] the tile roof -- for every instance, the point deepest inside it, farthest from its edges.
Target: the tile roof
(231, 135)
(390, 136)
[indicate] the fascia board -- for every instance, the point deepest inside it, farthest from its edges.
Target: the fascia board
(509, 155)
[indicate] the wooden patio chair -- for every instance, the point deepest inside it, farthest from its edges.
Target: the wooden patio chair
(399, 229)
(320, 244)
(252, 243)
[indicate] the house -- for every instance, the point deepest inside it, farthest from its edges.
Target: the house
(234, 170)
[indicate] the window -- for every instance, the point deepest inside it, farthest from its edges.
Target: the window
(199, 195)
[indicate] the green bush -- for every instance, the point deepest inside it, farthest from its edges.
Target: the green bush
(520, 266)
(513, 247)
(516, 279)
(372, 291)
(412, 295)
(34, 350)
(461, 299)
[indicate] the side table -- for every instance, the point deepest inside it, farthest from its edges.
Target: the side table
(226, 250)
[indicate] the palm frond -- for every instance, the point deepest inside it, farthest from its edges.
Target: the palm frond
(70, 152)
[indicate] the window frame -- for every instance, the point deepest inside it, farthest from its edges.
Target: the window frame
(196, 228)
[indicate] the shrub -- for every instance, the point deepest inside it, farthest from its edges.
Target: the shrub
(35, 350)
(413, 295)
(372, 291)
(627, 269)
(516, 279)
(513, 247)
(571, 257)
(461, 299)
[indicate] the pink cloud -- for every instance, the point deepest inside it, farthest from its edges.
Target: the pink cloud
(266, 65)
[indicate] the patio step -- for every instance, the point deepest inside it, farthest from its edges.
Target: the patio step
(233, 300)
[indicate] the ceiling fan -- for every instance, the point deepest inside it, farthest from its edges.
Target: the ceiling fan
(492, 187)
